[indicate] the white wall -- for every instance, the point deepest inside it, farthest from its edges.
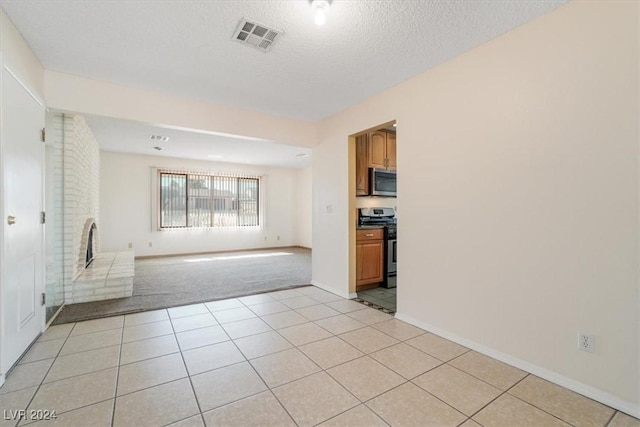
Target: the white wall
(304, 207)
(72, 93)
(18, 56)
(330, 215)
(126, 208)
(518, 197)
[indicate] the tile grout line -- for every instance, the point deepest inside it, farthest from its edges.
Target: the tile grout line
(45, 375)
(608, 424)
(73, 376)
(361, 402)
(507, 391)
(534, 406)
(69, 335)
(326, 373)
(94, 332)
(502, 393)
(263, 381)
(430, 394)
(312, 361)
(429, 370)
(82, 351)
(405, 380)
(184, 362)
(115, 391)
(515, 397)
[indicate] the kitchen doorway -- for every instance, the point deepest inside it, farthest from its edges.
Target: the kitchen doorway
(374, 223)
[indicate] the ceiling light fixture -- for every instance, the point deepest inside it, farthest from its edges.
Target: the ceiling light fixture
(159, 138)
(320, 8)
(214, 156)
(157, 148)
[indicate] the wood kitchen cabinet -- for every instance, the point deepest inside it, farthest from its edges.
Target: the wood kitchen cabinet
(373, 150)
(382, 150)
(391, 150)
(362, 166)
(369, 258)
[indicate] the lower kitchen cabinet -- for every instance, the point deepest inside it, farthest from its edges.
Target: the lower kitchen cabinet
(369, 258)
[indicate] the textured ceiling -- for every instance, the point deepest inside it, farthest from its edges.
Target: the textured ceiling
(185, 47)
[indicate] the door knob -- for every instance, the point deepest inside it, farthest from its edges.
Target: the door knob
(11, 220)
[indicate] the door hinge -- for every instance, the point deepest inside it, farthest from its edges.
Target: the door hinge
(44, 299)
(42, 134)
(43, 217)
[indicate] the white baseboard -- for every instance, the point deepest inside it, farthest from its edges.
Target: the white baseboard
(603, 397)
(328, 289)
(353, 295)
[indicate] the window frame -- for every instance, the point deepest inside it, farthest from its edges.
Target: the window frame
(258, 219)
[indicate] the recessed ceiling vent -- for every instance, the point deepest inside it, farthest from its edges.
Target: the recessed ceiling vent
(255, 34)
(159, 138)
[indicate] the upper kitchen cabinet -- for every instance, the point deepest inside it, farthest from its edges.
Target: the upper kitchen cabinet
(362, 166)
(391, 150)
(382, 150)
(373, 150)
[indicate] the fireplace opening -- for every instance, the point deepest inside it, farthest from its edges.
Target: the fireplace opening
(90, 245)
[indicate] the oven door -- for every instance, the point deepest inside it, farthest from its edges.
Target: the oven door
(392, 264)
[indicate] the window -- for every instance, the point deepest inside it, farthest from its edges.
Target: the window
(201, 200)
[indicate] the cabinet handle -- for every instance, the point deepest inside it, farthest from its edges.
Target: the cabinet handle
(369, 235)
(11, 220)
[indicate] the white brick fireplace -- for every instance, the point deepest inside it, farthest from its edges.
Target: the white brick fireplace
(110, 275)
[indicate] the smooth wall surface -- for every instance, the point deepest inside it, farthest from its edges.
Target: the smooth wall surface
(127, 208)
(303, 207)
(518, 196)
(18, 56)
(72, 93)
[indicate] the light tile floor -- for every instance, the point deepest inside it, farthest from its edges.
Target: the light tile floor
(380, 296)
(297, 357)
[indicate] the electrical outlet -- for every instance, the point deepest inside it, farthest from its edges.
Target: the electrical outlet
(586, 342)
(150, 244)
(130, 245)
(265, 238)
(278, 238)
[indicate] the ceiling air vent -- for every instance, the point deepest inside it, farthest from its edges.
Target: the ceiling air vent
(255, 34)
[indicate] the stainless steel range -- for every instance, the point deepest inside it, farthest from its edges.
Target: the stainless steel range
(391, 256)
(385, 217)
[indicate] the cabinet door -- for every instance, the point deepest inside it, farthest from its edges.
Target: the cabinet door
(362, 166)
(369, 261)
(377, 149)
(391, 151)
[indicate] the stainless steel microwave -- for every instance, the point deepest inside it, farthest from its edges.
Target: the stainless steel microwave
(382, 182)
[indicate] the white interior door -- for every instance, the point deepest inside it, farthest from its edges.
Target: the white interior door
(22, 163)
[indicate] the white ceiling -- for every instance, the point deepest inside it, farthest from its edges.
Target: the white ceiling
(134, 137)
(185, 48)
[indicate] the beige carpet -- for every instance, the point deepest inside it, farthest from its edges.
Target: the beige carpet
(179, 280)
